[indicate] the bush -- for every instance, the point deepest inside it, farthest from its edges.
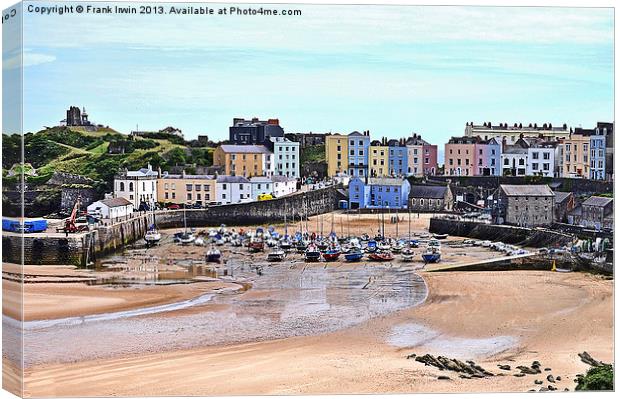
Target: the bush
(599, 378)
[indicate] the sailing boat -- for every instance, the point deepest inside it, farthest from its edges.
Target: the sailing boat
(213, 255)
(152, 236)
(186, 237)
(407, 253)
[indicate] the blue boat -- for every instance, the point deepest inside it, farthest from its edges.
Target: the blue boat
(372, 246)
(354, 255)
(431, 256)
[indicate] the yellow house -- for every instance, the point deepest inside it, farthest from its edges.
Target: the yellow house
(244, 160)
(337, 154)
(576, 156)
(378, 159)
(186, 189)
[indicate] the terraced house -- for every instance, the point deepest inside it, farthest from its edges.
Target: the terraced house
(397, 158)
(378, 192)
(244, 160)
(358, 153)
(378, 159)
(186, 189)
(421, 157)
(576, 156)
(336, 154)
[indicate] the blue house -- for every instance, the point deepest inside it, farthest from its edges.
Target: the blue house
(358, 154)
(397, 158)
(597, 155)
(379, 192)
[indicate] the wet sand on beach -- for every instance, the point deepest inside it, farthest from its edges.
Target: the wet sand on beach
(550, 317)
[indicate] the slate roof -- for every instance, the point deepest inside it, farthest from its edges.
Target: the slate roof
(538, 190)
(598, 201)
(115, 202)
(355, 133)
(561, 196)
(428, 191)
(385, 181)
(232, 179)
(143, 172)
(245, 149)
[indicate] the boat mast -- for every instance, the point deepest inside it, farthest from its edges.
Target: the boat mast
(409, 211)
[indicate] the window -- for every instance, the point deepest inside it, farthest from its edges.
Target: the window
(224, 186)
(189, 196)
(122, 186)
(174, 195)
(143, 186)
(188, 187)
(506, 162)
(535, 166)
(535, 155)
(546, 156)
(130, 186)
(166, 195)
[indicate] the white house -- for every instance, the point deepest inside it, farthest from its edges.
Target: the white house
(139, 186)
(283, 185)
(514, 160)
(233, 189)
(543, 159)
(286, 157)
(111, 208)
(261, 185)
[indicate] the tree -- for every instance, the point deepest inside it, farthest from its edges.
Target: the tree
(175, 156)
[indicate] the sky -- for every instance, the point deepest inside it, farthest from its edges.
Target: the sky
(392, 70)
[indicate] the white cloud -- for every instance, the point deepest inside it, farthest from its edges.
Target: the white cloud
(27, 59)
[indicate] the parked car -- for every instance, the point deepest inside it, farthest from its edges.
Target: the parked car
(196, 206)
(174, 206)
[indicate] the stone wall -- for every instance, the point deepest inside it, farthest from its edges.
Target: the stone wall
(536, 238)
(82, 249)
(578, 186)
(69, 195)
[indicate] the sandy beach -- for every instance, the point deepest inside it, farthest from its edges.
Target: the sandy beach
(550, 316)
(302, 328)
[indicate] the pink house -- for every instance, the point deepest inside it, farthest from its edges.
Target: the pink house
(460, 156)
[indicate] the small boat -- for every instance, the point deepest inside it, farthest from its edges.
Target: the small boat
(271, 242)
(152, 237)
(398, 247)
(414, 243)
(371, 246)
(381, 256)
(331, 254)
(440, 236)
(323, 245)
(256, 245)
(434, 243)
(301, 246)
(407, 254)
(431, 255)
(199, 241)
(312, 254)
(384, 246)
(186, 238)
(213, 255)
(236, 242)
(354, 255)
(276, 255)
(285, 244)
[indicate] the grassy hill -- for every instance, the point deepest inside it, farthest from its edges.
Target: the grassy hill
(98, 155)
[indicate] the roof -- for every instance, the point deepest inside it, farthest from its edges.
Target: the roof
(355, 133)
(245, 149)
(115, 202)
(196, 177)
(278, 178)
(232, 179)
(143, 172)
(260, 179)
(385, 181)
(561, 196)
(538, 190)
(514, 149)
(598, 201)
(428, 191)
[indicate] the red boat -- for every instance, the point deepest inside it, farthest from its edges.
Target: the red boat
(331, 255)
(256, 245)
(383, 256)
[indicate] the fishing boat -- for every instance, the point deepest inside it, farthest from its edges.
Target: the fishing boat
(256, 245)
(381, 256)
(285, 244)
(276, 255)
(186, 238)
(431, 255)
(152, 236)
(312, 254)
(407, 254)
(354, 255)
(331, 254)
(371, 246)
(213, 255)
